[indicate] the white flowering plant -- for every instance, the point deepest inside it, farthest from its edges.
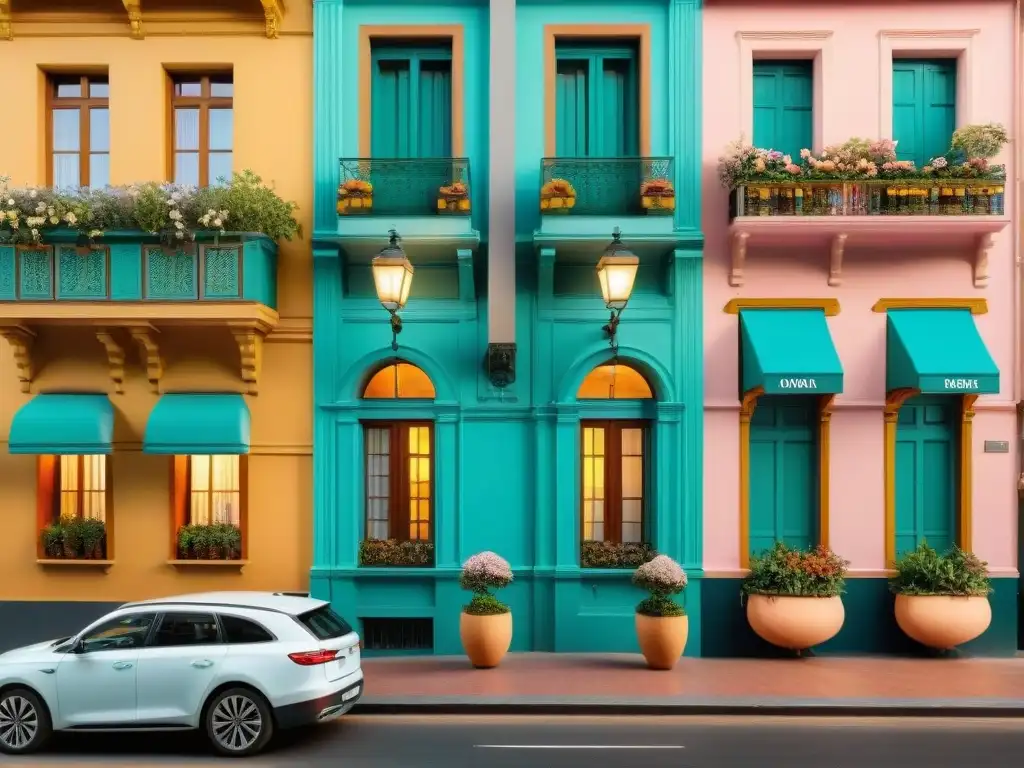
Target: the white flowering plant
(480, 574)
(662, 577)
(174, 212)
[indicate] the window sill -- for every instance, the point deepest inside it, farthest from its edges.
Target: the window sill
(70, 562)
(239, 564)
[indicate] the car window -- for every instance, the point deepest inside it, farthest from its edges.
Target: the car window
(324, 623)
(123, 632)
(239, 630)
(186, 629)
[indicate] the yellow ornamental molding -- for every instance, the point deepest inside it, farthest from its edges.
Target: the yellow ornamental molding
(134, 8)
(273, 12)
(6, 33)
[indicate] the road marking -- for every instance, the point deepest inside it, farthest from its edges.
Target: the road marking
(578, 746)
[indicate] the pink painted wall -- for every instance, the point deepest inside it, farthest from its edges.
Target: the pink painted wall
(852, 64)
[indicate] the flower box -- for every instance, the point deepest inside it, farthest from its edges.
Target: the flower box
(453, 198)
(557, 196)
(355, 196)
(658, 196)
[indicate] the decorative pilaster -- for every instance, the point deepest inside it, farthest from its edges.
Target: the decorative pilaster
(447, 525)
(684, 107)
(328, 128)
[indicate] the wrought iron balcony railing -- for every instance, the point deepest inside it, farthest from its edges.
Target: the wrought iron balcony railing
(943, 197)
(607, 186)
(404, 187)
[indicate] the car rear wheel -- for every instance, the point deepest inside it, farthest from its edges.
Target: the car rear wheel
(239, 722)
(24, 722)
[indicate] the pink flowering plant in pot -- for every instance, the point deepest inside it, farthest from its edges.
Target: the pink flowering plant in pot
(485, 625)
(661, 623)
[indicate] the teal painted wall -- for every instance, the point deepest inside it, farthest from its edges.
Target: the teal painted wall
(783, 105)
(923, 108)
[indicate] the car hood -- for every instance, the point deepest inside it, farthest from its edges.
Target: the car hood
(29, 650)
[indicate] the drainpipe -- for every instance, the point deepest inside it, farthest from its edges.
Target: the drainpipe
(501, 245)
(1018, 104)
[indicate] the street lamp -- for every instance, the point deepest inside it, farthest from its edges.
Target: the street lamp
(392, 277)
(617, 271)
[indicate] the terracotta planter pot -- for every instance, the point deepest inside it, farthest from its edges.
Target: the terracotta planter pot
(797, 623)
(486, 639)
(662, 639)
(943, 621)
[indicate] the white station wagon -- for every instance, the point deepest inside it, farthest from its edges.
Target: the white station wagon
(238, 665)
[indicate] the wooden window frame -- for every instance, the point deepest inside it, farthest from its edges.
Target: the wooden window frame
(398, 490)
(613, 480)
(48, 500)
(84, 104)
(181, 500)
(204, 103)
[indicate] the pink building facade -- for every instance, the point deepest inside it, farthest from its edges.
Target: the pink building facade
(876, 464)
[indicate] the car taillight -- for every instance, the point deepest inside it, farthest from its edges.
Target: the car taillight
(312, 658)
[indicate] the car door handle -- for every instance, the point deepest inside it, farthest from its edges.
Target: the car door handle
(202, 663)
(122, 665)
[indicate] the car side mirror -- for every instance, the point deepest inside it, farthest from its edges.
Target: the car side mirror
(77, 646)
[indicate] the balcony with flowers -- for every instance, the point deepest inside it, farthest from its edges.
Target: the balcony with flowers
(860, 193)
(132, 262)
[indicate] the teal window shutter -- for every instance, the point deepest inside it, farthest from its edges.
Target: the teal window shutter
(923, 108)
(411, 102)
(784, 106)
(597, 101)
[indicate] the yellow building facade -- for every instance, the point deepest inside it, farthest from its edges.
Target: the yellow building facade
(239, 72)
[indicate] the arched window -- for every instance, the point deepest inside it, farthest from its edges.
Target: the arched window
(399, 381)
(614, 381)
(614, 455)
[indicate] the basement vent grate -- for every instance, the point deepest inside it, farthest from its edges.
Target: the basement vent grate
(398, 634)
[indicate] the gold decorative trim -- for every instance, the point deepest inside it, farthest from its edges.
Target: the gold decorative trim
(829, 306)
(292, 330)
(822, 34)
(273, 13)
(6, 32)
(894, 400)
(113, 314)
(143, 336)
(747, 406)
(115, 358)
(21, 340)
(977, 306)
(967, 472)
(134, 8)
(825, 405)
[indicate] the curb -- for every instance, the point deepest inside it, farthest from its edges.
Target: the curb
(881, 709)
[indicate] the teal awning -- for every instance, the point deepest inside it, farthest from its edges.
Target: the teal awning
(788, 352)
(938, 351)
(198, 424)
(63, 425)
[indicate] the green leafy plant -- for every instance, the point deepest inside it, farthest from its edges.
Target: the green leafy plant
(980, 141)
(480, 574)
(603, 554)
(789, 572)
(71, 537)
(53, 540)
(213, 541)
(94, 536)
(925, 572)
(662, 577)
(396, 553)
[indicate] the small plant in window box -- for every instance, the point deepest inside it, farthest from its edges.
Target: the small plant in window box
(53, 541)
(396, 553)
(557, 196)
(658, 196)
(75, 539)
(355, 196)
(606, 554)
(453, 198)
(215, 541)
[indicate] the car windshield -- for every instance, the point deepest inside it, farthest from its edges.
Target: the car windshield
(324, 623)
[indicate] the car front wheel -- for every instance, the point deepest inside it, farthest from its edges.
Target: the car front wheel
(24, 722)
(239, 723)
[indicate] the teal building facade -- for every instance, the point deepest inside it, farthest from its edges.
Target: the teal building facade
(504, 148)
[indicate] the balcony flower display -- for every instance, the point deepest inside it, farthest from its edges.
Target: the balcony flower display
(174, 212)
(557, 196)
(862, 177)
(354, 196)
(453, 198)
(658, 196)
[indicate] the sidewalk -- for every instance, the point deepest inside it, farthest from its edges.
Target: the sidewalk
(539, 683)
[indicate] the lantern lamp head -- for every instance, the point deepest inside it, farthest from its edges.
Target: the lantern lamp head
(392, 279)
(617, 272)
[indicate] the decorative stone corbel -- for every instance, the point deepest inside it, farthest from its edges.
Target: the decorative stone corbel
(273, 12)
(835, 263)
(6, 32)
(115, 358)
(739, 258)
(968, 408)
(749, 403)
(894, 400)
(134, 8)
(825, 404)
(144, 337)
(981, 250)
(21, 340)
(250, 349)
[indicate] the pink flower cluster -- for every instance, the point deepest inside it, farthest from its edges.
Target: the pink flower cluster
(488, 567)
(662, 573)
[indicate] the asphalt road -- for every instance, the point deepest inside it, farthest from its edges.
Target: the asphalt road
(597, 742)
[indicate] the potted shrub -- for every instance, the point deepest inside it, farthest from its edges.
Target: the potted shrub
(485, 626)
(793, 596)
(94, 537)
(53, 541)
(661, 623)
(941, 599)
(71, 537)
